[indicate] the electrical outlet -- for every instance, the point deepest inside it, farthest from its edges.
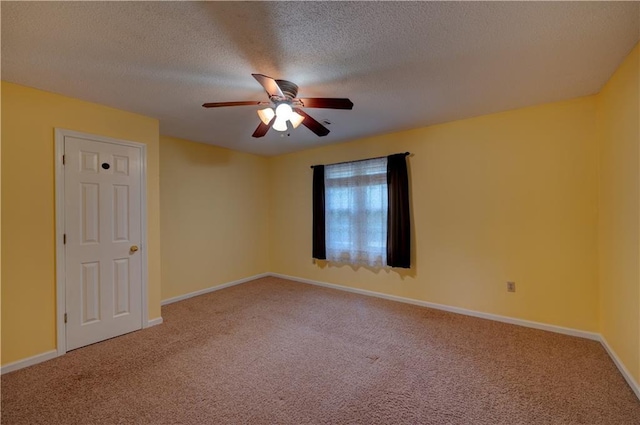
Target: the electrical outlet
(511, 287)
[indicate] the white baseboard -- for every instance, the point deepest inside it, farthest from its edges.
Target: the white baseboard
(521, 322)
(52, 354)
(621, 367)
(213, 288)
(154, 322)
(29, 361)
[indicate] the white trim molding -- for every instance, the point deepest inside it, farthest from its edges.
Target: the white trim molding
(621, 367)
(29, 361)
(154, 322)
(214, 288)
(511, 320)
(61, 330)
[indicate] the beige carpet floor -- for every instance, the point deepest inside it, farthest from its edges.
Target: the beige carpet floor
(273, 351)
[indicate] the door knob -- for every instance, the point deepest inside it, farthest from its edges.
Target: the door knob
(133, 248)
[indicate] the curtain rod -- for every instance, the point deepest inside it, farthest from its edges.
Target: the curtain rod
(366, 159)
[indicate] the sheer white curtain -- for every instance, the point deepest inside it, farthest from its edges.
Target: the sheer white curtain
(356, 212)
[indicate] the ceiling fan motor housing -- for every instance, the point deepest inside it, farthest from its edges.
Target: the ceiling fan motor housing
(289, 89)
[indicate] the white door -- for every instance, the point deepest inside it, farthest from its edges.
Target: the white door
(103, 266)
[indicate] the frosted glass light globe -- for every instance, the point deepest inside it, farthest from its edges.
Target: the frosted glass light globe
(266, 115)
(296, 119)
(280, 124)
(284, 111)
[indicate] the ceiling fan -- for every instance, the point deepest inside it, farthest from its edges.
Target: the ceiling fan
(284, 107)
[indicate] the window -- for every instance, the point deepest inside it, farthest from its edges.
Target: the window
(356, 212)
(361, 212)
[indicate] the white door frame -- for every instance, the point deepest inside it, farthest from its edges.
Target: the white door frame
(60, 134)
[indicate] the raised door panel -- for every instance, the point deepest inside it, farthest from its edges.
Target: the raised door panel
(121, 286)
(90, 213)
(88, 162)
(121, 165)
(90, 292)
(121, 213)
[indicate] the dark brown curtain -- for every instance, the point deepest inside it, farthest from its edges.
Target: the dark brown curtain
(398, 220)
(319, 241)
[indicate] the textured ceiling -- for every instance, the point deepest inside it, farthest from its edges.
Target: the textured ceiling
(403, 64)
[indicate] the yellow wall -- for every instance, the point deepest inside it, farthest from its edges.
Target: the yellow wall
(619, 224)
(547, 196)
(29, 117)
(508, 196)
(213, 205)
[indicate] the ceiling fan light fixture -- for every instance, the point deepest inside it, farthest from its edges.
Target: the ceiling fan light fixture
(283, 96)
(296, 119)
(266, 115)
(280, 124)
(284, 111)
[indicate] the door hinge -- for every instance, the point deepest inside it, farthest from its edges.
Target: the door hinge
(64, 239)
(63, 159)
(65, 318)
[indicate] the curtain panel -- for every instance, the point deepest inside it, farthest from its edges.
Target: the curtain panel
(319, 241)
(398, 217)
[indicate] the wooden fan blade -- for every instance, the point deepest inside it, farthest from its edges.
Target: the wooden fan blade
(313, 125)
(263, 128)
(270, 85)
(326, 102)
(219, 104)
